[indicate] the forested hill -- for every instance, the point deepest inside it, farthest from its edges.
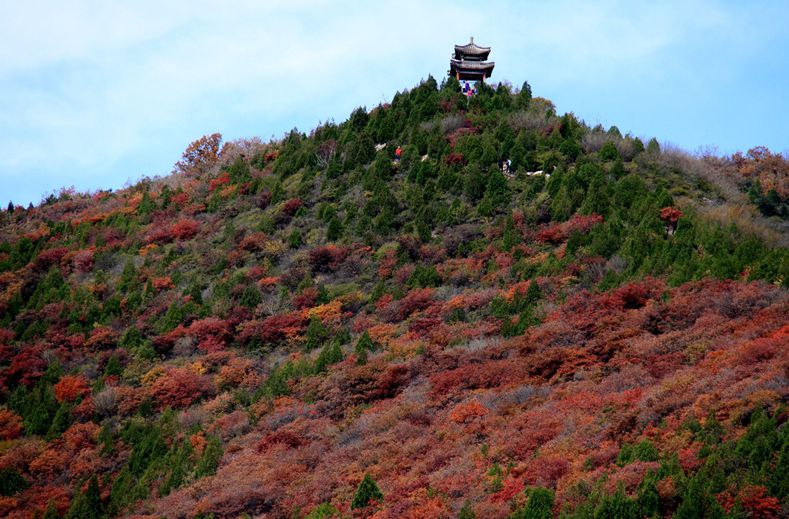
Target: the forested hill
(310, 328)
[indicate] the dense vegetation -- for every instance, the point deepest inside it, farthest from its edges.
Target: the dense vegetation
(309, 328)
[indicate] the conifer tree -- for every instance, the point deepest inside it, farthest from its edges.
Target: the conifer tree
(335, 230)
(367, 491)
(364, 345)
(51, 512)
(316, 334)
(87, 505)
(11, 482)
(539, 505)
(330, 354)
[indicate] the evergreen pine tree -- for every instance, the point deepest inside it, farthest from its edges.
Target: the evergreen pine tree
(51, 512)
(146, 205)
(363, 345)
(367, 491)
(609, 151)
(11, 482)
(330, 354)
(475, 184)
(648, 497)
(467, 512)
(113, 367)
(539, 505)
(316, 334)
(697, 502)
(497, 190)
(88, 504)
(335, 230)
(524, 96)
(210, 459)
(596, 201)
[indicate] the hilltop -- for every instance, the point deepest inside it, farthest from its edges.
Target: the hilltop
(309, 327)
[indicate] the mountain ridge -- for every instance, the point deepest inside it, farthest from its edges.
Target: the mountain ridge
(313, 327)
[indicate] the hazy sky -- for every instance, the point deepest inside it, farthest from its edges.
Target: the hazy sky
(94, 93)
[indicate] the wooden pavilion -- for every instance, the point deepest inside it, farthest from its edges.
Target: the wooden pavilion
(468, 62)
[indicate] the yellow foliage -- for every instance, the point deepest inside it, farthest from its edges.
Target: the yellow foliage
(152, 374)
(330, 312)
(148, 248)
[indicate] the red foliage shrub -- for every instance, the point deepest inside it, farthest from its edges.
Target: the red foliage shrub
(163, 283)
(231, 425)
(83, 260)
(279, 327)
(306, 299)
(402, 274)
(210, 326)
(456, 158)
(689, 458)
(285, 437)
(392, 379)
(387, 263)
(423, 326)
(756, 502)
(185, 229)
(327, 258)
(253, 242)
(557, 233)
(273, 329)
(291, 206)
(6, 336)
(415, 300)
(492, 373)
(633, 295)
(264, 199)
(211, 333)
(158, 234)
(26, 367)
(49, 257)
(546, 471)
(71, 387)
(180, 387)
(179, 199)
(10, 425)
(552, 234)
(670, 214)
(81, 436)
(758, 350)
(102, 337)
(467, 411)
(219, 181)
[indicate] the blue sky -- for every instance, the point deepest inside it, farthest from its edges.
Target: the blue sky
(94, 94)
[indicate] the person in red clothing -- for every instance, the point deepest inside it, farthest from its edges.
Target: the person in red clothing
(398, 151)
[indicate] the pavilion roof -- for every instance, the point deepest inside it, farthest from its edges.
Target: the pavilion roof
(471, 49)
(471, 69)
(472, 65)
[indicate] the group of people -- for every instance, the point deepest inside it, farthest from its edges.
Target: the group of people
(469, 90)
(505, 166)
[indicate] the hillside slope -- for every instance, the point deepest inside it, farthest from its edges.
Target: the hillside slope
(310, 328)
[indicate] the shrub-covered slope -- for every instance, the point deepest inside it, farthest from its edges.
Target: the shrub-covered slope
(309, 328)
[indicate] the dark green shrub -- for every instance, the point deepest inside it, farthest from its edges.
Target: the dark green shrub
(367, 491)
